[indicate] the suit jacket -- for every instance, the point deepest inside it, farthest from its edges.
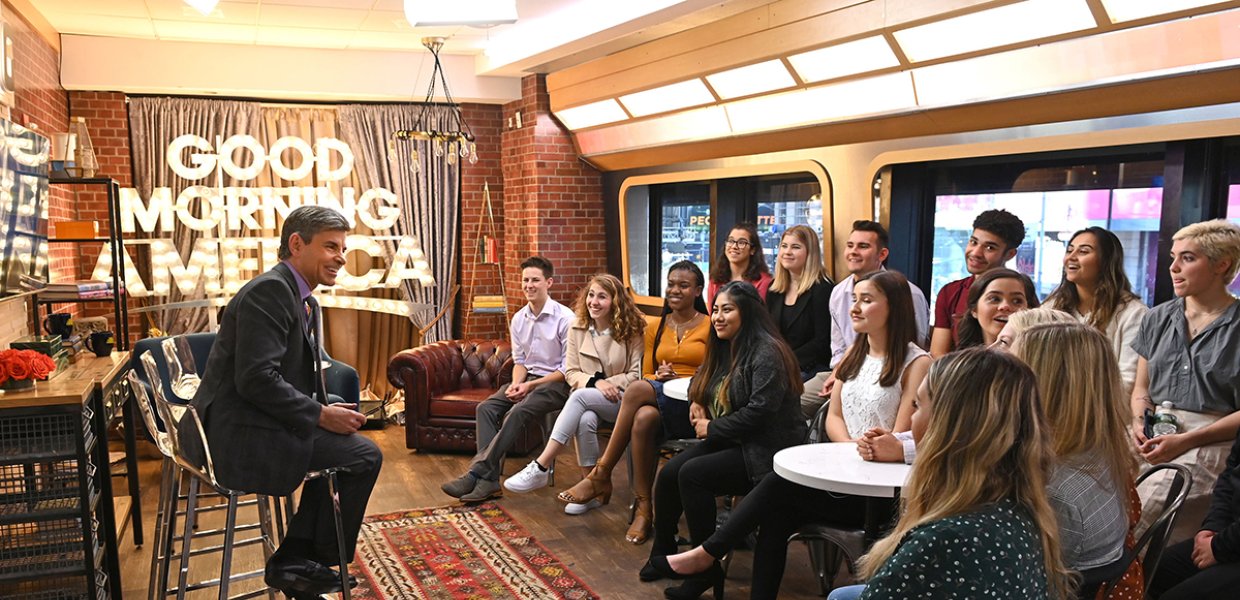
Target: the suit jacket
(621, 363)
(809, 333)
(255, 398)
(766, 411)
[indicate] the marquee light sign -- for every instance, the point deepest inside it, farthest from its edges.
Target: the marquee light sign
(219, 260)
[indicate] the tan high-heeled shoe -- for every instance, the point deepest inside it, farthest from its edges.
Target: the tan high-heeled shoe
(643, 522)
(596, 485)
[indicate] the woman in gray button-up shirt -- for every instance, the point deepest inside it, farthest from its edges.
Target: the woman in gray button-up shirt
(1188, 350)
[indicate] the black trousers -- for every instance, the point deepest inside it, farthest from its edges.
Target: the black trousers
(688, 485)
(1178, 578)
(777, 508)
(312, 531)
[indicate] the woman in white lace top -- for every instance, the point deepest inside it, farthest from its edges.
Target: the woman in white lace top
(877, 379)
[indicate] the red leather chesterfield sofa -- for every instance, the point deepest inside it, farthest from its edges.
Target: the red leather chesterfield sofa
(444, 382)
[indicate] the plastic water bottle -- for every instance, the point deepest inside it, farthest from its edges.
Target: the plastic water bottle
(1165, 422)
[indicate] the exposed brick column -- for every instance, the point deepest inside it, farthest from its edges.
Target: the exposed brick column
(477, 278)
(553, 202)
(107, 121)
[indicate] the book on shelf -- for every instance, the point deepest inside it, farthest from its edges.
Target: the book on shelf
(81, 285)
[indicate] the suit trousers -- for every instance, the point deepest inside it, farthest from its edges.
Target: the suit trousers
(314, 521)
(501, 421)
(1179, 579)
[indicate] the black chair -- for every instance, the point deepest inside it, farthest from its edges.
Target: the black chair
(1153, 541)
(829, 544)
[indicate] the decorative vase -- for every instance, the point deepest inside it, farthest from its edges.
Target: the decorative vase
(18, 385)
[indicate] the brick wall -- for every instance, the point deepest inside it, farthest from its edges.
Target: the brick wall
(477, 278)
(107, 121)
(40, 103)
(553, 202)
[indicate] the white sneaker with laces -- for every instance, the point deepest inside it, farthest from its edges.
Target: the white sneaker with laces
(530, 478)
(575, 508)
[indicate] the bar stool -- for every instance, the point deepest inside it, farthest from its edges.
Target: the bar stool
(205, 473)
(175, 468)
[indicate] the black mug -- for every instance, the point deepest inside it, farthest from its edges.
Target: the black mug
(60, 324)
(100, 342)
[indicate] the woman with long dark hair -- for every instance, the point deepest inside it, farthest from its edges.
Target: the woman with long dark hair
(995, 296)
(740, 260)
(878, 378)
(745, 408)
(675, 347)
(1096, 291)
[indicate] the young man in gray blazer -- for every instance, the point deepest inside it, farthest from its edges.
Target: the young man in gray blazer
(266, 413)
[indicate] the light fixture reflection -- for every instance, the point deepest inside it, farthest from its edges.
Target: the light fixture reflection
(1131, 10)
(203, 6)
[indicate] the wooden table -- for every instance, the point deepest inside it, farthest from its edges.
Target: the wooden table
(78, 394)
(836, 467)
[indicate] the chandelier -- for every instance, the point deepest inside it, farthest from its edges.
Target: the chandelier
(448, 133)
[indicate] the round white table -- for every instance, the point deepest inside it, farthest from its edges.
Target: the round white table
(836, 467)
(677, 389)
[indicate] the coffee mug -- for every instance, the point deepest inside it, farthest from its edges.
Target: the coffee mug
(60, 324)
(100, 342)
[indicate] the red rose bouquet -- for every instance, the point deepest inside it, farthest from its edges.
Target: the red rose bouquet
(21, 365)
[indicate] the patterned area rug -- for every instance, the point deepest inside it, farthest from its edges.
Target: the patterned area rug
(457, 552)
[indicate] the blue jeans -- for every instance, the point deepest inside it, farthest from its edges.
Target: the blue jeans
(848, 592)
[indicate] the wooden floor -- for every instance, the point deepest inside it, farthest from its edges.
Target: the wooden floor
(591, 545)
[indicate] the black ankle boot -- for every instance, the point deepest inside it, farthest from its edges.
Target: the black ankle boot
(696, 585)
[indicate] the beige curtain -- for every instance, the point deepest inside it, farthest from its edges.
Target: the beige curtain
(153, 124)
(365, 340)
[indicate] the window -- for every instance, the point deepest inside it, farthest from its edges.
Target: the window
(1124, 197)
(1233, 215)
(689, 220)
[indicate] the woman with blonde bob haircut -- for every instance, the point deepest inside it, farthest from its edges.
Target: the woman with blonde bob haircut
(977, 489)
(1187, 349)
(800, 299)
(1093, 487)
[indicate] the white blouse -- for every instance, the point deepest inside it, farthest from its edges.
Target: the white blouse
(866, 404)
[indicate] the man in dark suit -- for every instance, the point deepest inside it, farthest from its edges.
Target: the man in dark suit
(266, 413)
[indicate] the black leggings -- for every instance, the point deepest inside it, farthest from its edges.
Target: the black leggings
(1178, 578)
(688, 484)
(777, 508)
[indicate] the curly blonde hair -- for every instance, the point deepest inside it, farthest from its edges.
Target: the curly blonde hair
(627, 321)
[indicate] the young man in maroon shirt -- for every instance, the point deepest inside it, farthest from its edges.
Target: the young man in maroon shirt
(996, 236)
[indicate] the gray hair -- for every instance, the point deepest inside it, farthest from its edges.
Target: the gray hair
(306, 222)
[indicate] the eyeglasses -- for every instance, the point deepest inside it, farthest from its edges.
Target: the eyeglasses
(737, 243)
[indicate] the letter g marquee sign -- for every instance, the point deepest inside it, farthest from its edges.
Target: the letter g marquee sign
(228, 216)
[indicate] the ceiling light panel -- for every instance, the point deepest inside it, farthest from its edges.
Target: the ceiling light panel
(841, 60)
(667, 98)
(823, 104)
(753, 79)
(1131, 10)
(1002, 26)
(478, 13)
(589, 115)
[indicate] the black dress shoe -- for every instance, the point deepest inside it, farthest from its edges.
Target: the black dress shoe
(657, 568)
(298, 575)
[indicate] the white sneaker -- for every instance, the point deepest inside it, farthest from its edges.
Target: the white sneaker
(573, 508)
(530, 478)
